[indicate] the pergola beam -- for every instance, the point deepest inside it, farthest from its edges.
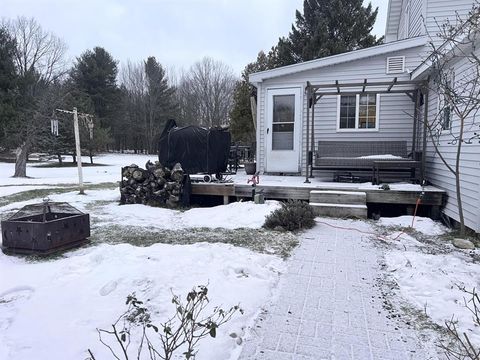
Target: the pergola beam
(409, 91)
(364, 85)
(391, 85)
(358, 84)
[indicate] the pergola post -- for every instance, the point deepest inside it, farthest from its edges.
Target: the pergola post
(415, 123)
(312, 142)
(308, 91)
(425, 119)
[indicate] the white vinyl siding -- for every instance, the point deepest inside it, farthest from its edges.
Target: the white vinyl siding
(395, 111)
(439, 174)
(438, 11)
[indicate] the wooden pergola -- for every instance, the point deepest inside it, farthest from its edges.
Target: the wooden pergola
(416, 90)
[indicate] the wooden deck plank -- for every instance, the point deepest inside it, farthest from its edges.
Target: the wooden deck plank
(216, 189)
(431, 195)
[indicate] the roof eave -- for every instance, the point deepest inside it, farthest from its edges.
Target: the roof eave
(259, 77)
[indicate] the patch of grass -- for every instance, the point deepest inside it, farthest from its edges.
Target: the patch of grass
(43, 193)
(65, 165)
(259, 240)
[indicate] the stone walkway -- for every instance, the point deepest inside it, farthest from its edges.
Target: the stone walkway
(330, 306)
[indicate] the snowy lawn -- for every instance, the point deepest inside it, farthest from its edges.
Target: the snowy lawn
(50, 310)
(50, 307)
(431, 273)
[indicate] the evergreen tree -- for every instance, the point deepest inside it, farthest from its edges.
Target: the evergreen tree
(8, 84)
(94, 74)
(241, 120)
(327, 27)
(160, 100)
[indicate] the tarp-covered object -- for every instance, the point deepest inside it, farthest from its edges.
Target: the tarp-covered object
(197, 149)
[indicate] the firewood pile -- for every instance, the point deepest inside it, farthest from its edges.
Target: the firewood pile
(154, 185)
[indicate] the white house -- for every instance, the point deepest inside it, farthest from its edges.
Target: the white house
(368, 95)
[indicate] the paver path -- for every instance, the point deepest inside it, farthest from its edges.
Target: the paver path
(329, 305)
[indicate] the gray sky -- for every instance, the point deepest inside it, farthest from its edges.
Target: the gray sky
(176, 32)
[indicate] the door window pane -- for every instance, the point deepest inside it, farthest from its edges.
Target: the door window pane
(283, 108)
(283, 122)
(282, 137)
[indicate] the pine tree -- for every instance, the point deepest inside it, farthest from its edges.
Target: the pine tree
(241, 121)
(160, 100)
(327, 27)
(95, 74)
(8, 84)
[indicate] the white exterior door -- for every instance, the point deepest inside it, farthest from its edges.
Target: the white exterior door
(283, 128)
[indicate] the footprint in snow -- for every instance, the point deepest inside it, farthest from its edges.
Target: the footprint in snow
(108, 288)
(9, 301)
(16, 293)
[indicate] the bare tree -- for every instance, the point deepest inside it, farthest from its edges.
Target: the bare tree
(37, 50)
(150, 99)
(133, 79)
(40, 62)
(456, 78)
(206, 93)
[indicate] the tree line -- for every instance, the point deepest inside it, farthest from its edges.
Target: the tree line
(131, 103)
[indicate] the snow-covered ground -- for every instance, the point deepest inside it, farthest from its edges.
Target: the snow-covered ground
(50, 310)
(69, 175)
(62, 301)
(431, 276)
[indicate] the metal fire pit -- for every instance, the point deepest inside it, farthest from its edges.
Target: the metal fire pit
(45, 228)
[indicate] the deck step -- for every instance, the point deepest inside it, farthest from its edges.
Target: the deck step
(338, 197)
(339, 203)
(340, 210)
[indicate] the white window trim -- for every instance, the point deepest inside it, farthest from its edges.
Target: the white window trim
(357, 112)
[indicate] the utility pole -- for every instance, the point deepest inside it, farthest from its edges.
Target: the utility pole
(78, 149)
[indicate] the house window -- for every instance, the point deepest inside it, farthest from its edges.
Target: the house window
(367, 111)
(348, 111)
(444, 108)
(358, 112)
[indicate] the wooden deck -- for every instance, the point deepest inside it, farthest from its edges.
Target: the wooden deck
(293, 188)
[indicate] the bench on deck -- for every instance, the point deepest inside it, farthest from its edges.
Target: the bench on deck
(364, 156)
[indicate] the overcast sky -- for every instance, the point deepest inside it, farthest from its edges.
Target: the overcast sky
(176, 32)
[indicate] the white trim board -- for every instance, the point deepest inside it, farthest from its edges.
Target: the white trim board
(338, 59)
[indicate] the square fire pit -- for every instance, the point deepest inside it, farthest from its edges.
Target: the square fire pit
(45, 228)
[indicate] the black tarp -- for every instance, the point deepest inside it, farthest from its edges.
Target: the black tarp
(197, 149)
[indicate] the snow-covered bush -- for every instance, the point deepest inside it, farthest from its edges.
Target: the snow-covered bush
(462, 347)
(181, 333)
(293, 215)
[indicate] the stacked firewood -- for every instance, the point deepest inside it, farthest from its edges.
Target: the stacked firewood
(154, 185)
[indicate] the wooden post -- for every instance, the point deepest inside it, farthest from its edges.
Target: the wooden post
(312, 144)
(253, 108)
(415, 123)
(425, 119)
(308, 129)
(78, 150)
